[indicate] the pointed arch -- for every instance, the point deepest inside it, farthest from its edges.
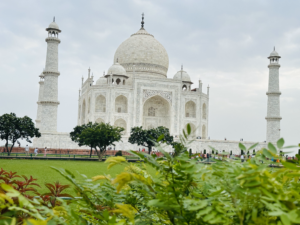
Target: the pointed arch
(190, 109)
(100, 104)
(121, 123)
(100, 120)
(79, 112)
(156, 112)
(193, 130)
(204, 110)
(83, 113)
(203, 132)
(121, 104)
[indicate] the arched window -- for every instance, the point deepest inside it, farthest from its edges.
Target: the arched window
(79, 111)
(151, 111)
(193, 130)
(99, 120)
(190, 109)
(100, 104)
(118, 81)
(204, 111)
(121, 123)
(121, 104)
(83, 113)
(184, 87)
(203, 132)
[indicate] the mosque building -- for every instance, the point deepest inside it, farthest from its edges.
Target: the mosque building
(135, 91)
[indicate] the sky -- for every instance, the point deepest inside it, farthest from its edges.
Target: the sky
(223, 43)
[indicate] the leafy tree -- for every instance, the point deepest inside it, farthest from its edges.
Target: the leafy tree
(147, 138)
(119, 153)
(13, 128)
(96, 136)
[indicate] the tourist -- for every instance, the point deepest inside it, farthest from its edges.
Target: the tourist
(36, 151)
(27, 150)
(242, 158)
(45, 152)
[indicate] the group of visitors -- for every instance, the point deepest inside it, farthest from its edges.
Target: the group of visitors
(36, 151)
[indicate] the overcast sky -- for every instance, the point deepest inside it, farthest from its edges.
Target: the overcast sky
(223, 43)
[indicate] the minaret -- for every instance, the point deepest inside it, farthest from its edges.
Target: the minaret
(50, 96)
(39, 109)
(273, 112)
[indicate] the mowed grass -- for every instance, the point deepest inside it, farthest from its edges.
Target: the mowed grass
(42, 171)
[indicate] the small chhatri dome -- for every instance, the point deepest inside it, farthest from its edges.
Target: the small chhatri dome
(185, 76)
(116, 69)
(274, 53)
(53, 25)
(101, 81)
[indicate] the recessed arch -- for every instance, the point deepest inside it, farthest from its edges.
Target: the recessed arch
(193, 130)
(190, 109)
(184, 87)
(79, 112)
(89, 105)
(100, 120)
(203, 132)
(100, 104)
(156, 112)
(121, 104)
(204, 110)
(121, 123)
(118, 81)
(83, 113)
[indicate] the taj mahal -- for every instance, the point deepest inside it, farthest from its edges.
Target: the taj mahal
(137, 90)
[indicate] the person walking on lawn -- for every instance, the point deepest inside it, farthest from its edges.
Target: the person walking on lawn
(27, 150)
(45, 152)
(36, 151)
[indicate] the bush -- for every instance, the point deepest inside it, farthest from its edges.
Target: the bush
(119, 153)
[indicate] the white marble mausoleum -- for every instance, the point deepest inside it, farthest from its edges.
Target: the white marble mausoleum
(136, 90)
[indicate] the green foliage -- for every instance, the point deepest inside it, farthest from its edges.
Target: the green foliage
(96, 136)
(188, 192)
(147, 138)
(13, 128)
(18, 205)
(119, 153)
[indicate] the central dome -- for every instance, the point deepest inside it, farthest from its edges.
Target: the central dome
(145, 52)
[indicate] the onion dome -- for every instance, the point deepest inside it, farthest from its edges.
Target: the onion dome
(143, 51)
(101, 81)
(116, 69)
(182, 75)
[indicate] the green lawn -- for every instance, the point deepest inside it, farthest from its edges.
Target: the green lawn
(40, 169)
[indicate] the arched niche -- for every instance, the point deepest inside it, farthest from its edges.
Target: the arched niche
(121, 104)
(100, 104)
(190, 109)
(99, 120)
(156, 112)
(203, 132)
(79, 112)
(193, 130)
(204, 110)
(83, 113)
(121, 123)
(89, 105)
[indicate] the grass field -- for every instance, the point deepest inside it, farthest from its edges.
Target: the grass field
(41, 170)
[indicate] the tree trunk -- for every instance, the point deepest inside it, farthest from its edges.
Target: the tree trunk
(100, 154)
(6, 148)
(11, 148)
(91, 153)
(149, 149)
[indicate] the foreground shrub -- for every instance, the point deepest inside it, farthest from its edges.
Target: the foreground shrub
(188, 192)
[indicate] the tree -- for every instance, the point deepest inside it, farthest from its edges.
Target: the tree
(96, 136)
(146, 138)
(13, 128)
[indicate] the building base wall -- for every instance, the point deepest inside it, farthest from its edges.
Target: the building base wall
(63, 141)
